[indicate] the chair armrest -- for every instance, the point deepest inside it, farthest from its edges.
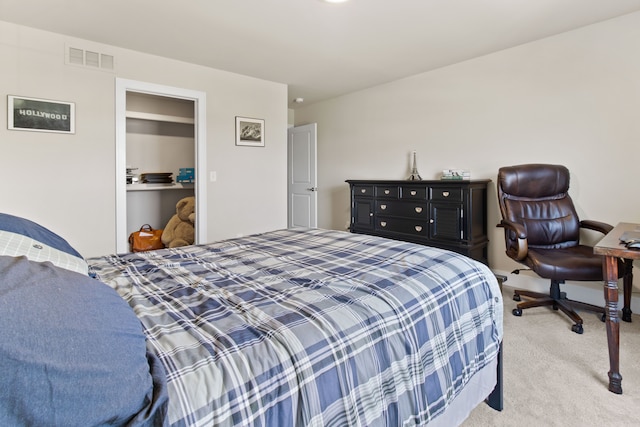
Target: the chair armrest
(601, 227)
(515, 237)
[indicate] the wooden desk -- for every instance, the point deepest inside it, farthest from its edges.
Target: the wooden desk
(612, 250)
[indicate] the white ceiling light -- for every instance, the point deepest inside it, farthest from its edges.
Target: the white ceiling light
(334, 1)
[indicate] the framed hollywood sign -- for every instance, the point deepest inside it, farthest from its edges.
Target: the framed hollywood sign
(40, 115)
(249, 132)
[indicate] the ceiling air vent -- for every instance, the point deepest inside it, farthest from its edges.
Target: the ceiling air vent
(106, 62)
(92, 59)
(76, 56)
(89, 59)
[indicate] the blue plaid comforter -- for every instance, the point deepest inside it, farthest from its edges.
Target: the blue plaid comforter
(311, 327)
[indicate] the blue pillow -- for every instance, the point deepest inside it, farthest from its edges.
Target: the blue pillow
(19, 236)
(72, 352)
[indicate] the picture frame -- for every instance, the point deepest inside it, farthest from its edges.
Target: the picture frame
(249, 132)
(40, 115)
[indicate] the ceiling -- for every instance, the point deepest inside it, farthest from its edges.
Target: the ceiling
(319, 50)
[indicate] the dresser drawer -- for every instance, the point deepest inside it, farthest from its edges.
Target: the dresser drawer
(413, 193)
(386, 191)
(452, 194)
(403, 208)
(363, 190)
(404, 226)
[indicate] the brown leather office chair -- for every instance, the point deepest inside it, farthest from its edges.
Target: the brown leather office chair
(542, 231)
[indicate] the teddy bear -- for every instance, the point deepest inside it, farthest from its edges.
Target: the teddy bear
(180, 230)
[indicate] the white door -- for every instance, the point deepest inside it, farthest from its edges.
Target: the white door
(302, 178)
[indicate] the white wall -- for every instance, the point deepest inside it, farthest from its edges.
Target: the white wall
(571, 99)
(67, 182)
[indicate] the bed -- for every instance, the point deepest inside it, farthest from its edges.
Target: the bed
(307, 327)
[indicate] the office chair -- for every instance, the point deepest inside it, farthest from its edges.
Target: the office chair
(542, 231)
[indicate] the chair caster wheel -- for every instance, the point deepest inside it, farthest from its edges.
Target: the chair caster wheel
(577, 328)
(516, 297)
(517, 312)
(603, 317)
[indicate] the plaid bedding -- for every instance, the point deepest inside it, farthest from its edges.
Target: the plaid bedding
(311, 327)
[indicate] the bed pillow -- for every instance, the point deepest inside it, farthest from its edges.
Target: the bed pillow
(72, 352)
(19, 236)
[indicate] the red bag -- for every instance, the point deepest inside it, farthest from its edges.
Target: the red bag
(147, 239)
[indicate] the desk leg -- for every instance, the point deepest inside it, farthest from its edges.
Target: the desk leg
(610, 265)
(628, 285)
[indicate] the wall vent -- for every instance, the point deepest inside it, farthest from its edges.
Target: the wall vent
(89, 59)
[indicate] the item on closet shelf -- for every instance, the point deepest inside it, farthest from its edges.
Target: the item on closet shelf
(131, 177)
(157, 178)
(456, 174)
(146, 239)
(186, 175)
(415, 176)
(180, 230)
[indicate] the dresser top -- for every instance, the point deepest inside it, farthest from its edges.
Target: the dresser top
(421, 182)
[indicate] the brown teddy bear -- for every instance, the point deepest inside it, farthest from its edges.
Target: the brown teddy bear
(180, 230)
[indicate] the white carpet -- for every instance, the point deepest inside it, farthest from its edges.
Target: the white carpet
(555, 377)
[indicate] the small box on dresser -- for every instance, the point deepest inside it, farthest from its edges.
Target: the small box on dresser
(449, 214)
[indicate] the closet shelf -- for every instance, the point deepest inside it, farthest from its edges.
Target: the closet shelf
(159, 117)
(156, 187)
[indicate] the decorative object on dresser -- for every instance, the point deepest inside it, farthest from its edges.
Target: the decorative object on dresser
(456, 174)
(446, 214)
(415, 176)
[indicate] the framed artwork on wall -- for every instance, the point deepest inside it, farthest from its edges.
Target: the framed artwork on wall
(40, 115)
(249, 132)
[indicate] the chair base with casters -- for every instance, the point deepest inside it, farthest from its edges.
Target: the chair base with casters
(558, 300)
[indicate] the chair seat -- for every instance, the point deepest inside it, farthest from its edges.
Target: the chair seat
(575, 263)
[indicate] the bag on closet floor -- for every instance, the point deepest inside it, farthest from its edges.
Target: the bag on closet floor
(146, 239)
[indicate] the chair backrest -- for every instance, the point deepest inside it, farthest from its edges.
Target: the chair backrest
(537, 196)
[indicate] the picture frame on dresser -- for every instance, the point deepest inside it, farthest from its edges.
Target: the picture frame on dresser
(40, 115)
(249, 132)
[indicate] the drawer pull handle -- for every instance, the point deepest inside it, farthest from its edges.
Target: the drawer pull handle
(413, 192)
(445, 194)
(419, 209)
(383, 207)
(364, 190)
(383, 223)
(418, 228)
(430, 221)
(387, 191)
(370, 213)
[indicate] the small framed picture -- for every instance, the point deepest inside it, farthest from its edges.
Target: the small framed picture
(40, 115)
(249, 132)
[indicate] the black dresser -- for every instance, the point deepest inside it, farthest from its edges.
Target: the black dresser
(447, 214)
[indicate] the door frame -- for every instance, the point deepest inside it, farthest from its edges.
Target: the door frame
(200, 138)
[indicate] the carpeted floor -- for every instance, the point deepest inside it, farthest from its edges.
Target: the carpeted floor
(555, 377)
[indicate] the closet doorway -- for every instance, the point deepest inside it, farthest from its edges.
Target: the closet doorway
(159, 129)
